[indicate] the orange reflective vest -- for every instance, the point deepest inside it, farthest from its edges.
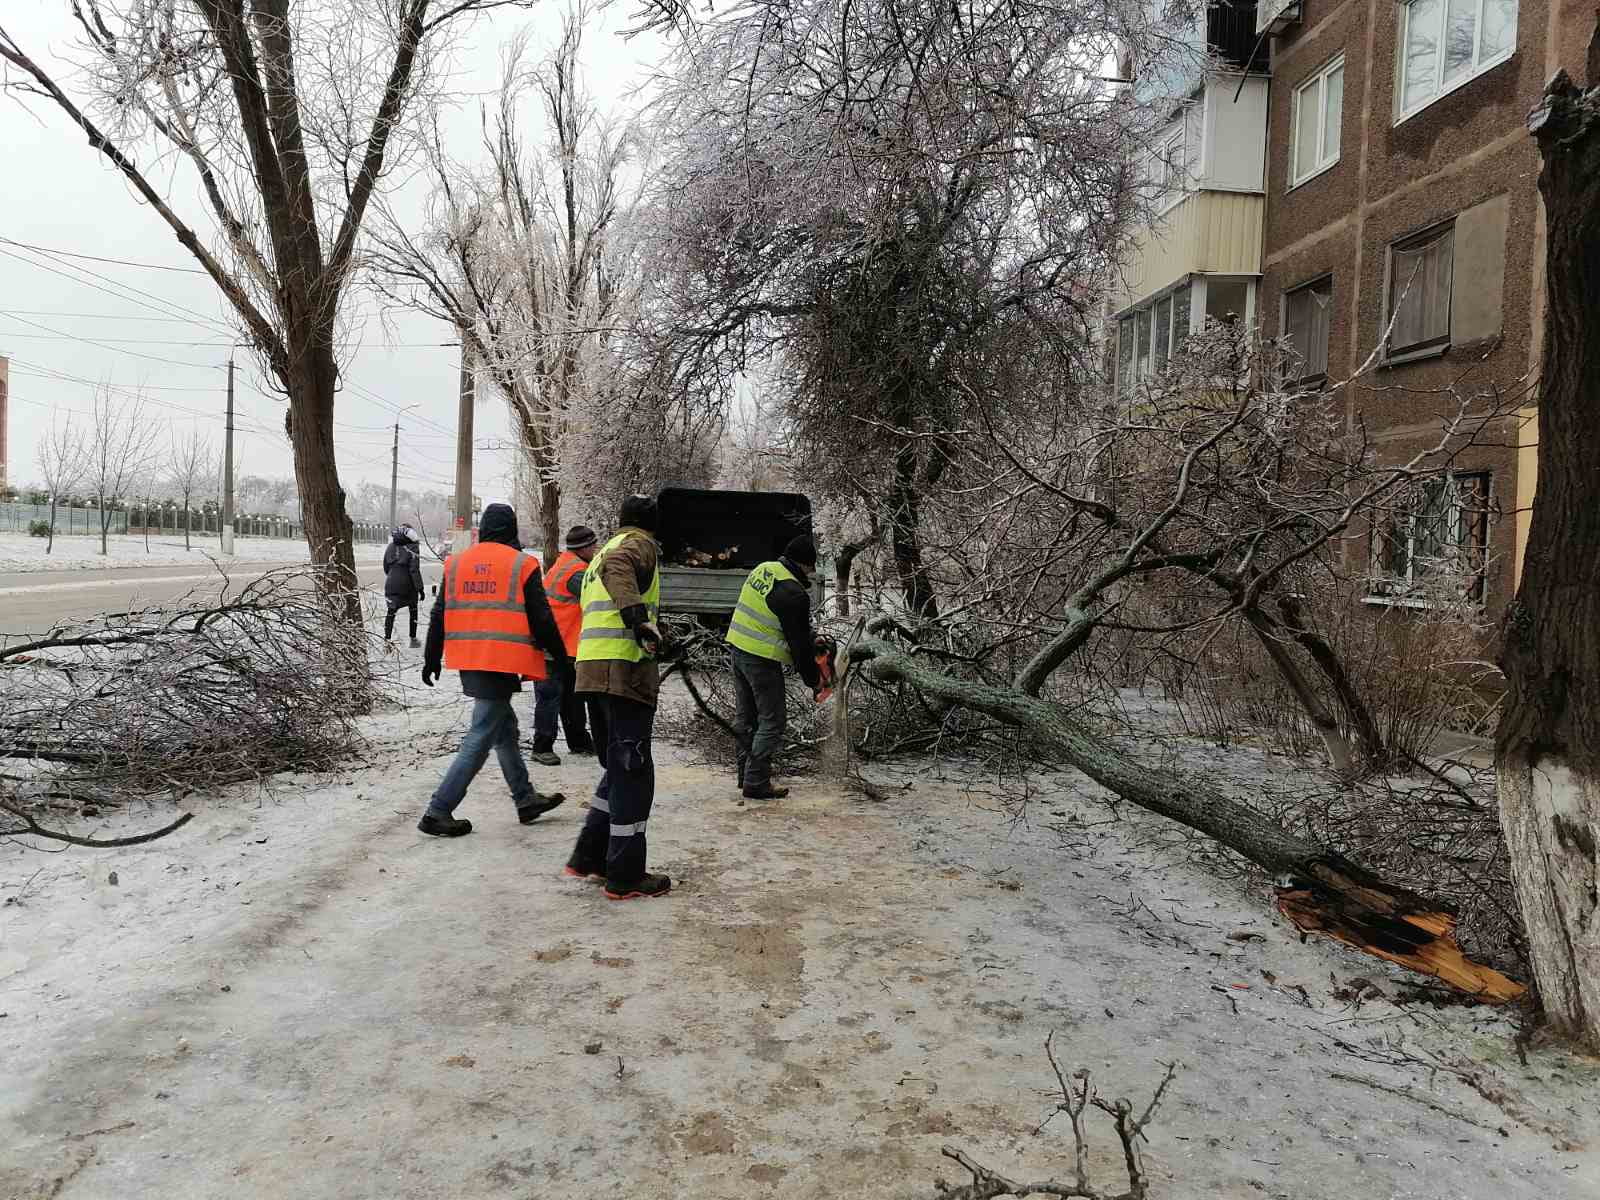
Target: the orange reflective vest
(568, 609)
(485, 622)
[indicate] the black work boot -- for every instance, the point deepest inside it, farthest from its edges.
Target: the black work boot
(647, 887)
(545, 756)
(764, 791)
(585, 868)
(529, 813)
(444, 826)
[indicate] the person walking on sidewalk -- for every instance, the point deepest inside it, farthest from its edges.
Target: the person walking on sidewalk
(617, 647)
(490, 622)
(402, 581)
(770, 630)
(563, 586)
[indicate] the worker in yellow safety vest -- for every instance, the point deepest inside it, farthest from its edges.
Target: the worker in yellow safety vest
(618, 643)
(770, 630)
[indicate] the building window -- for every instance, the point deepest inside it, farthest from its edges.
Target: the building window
(1420, 270)
(1149, 336)
(1438, 551)
(1305, 324)
(1318, 112)
(1444, 43)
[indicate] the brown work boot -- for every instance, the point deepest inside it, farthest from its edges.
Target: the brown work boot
(765, 791)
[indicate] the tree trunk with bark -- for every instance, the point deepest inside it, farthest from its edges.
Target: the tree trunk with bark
(550, 518)
(327, 525)
(1548, 746)
(1318, 889)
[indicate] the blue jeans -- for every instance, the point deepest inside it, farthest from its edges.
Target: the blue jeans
(494, 726)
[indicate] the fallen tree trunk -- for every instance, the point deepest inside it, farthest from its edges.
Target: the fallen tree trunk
(1319, 890)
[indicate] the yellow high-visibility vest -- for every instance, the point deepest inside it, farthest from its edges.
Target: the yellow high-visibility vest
(603, 636)
(755, 628)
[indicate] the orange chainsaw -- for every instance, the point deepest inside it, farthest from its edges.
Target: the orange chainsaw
(826, 648)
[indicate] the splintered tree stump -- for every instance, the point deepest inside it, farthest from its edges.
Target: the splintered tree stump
(1388, 922)
(1319, 890)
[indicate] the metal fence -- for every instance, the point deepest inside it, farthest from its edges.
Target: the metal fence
(19, 517)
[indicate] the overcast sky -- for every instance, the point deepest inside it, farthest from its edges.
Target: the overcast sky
(69, 323)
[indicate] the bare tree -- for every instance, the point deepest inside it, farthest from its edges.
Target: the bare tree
(62, 463)
(523, 258)
(868, 191)
(1548, 746)
(192, 472)
(120, 449)
(288, 115)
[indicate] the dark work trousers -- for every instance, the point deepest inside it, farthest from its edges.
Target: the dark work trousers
(551, 698)
(763, 713)
(395, 605)
(614, 832)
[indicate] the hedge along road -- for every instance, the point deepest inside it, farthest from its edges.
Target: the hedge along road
(32, 601)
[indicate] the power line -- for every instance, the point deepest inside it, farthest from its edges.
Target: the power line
(174, 362)
(121, 262)
(167, 308)
(73, 337)
(32, 368)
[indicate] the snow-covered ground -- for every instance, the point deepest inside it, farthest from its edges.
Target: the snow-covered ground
(298, 994)
(19, 552)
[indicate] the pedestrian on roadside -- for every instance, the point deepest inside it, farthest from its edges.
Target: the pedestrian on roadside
(617, 647)
(490, 622)
(770, 630)
(402, 581)
(563, 586)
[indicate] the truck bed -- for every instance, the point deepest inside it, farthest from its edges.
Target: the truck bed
(705, 591)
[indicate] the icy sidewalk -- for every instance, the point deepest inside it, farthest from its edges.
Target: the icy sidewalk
(300, 995)
(18, 552)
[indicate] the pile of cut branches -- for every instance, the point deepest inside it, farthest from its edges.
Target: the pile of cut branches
(260, 678)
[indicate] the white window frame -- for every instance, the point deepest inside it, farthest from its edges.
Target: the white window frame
(1173, 164)
(1121, 386)
(1441, 88)
(1322, 162)
(1198, 286)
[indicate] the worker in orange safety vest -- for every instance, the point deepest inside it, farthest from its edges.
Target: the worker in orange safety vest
(491, 622)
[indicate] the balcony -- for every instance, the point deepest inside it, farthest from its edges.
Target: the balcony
(1210, 233)
(1232, 35)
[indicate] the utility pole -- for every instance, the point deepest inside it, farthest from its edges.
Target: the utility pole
(227, 469)
(394, 473)
(463, 530)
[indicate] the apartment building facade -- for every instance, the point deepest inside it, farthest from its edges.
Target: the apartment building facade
(1404, 230)
(1401, 237)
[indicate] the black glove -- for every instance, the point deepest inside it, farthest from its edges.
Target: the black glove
(430, 672)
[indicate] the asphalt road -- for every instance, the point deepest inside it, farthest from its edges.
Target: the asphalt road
(32, 601)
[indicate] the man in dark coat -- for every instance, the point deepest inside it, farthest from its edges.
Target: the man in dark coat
(494, 721)
(402, 580)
